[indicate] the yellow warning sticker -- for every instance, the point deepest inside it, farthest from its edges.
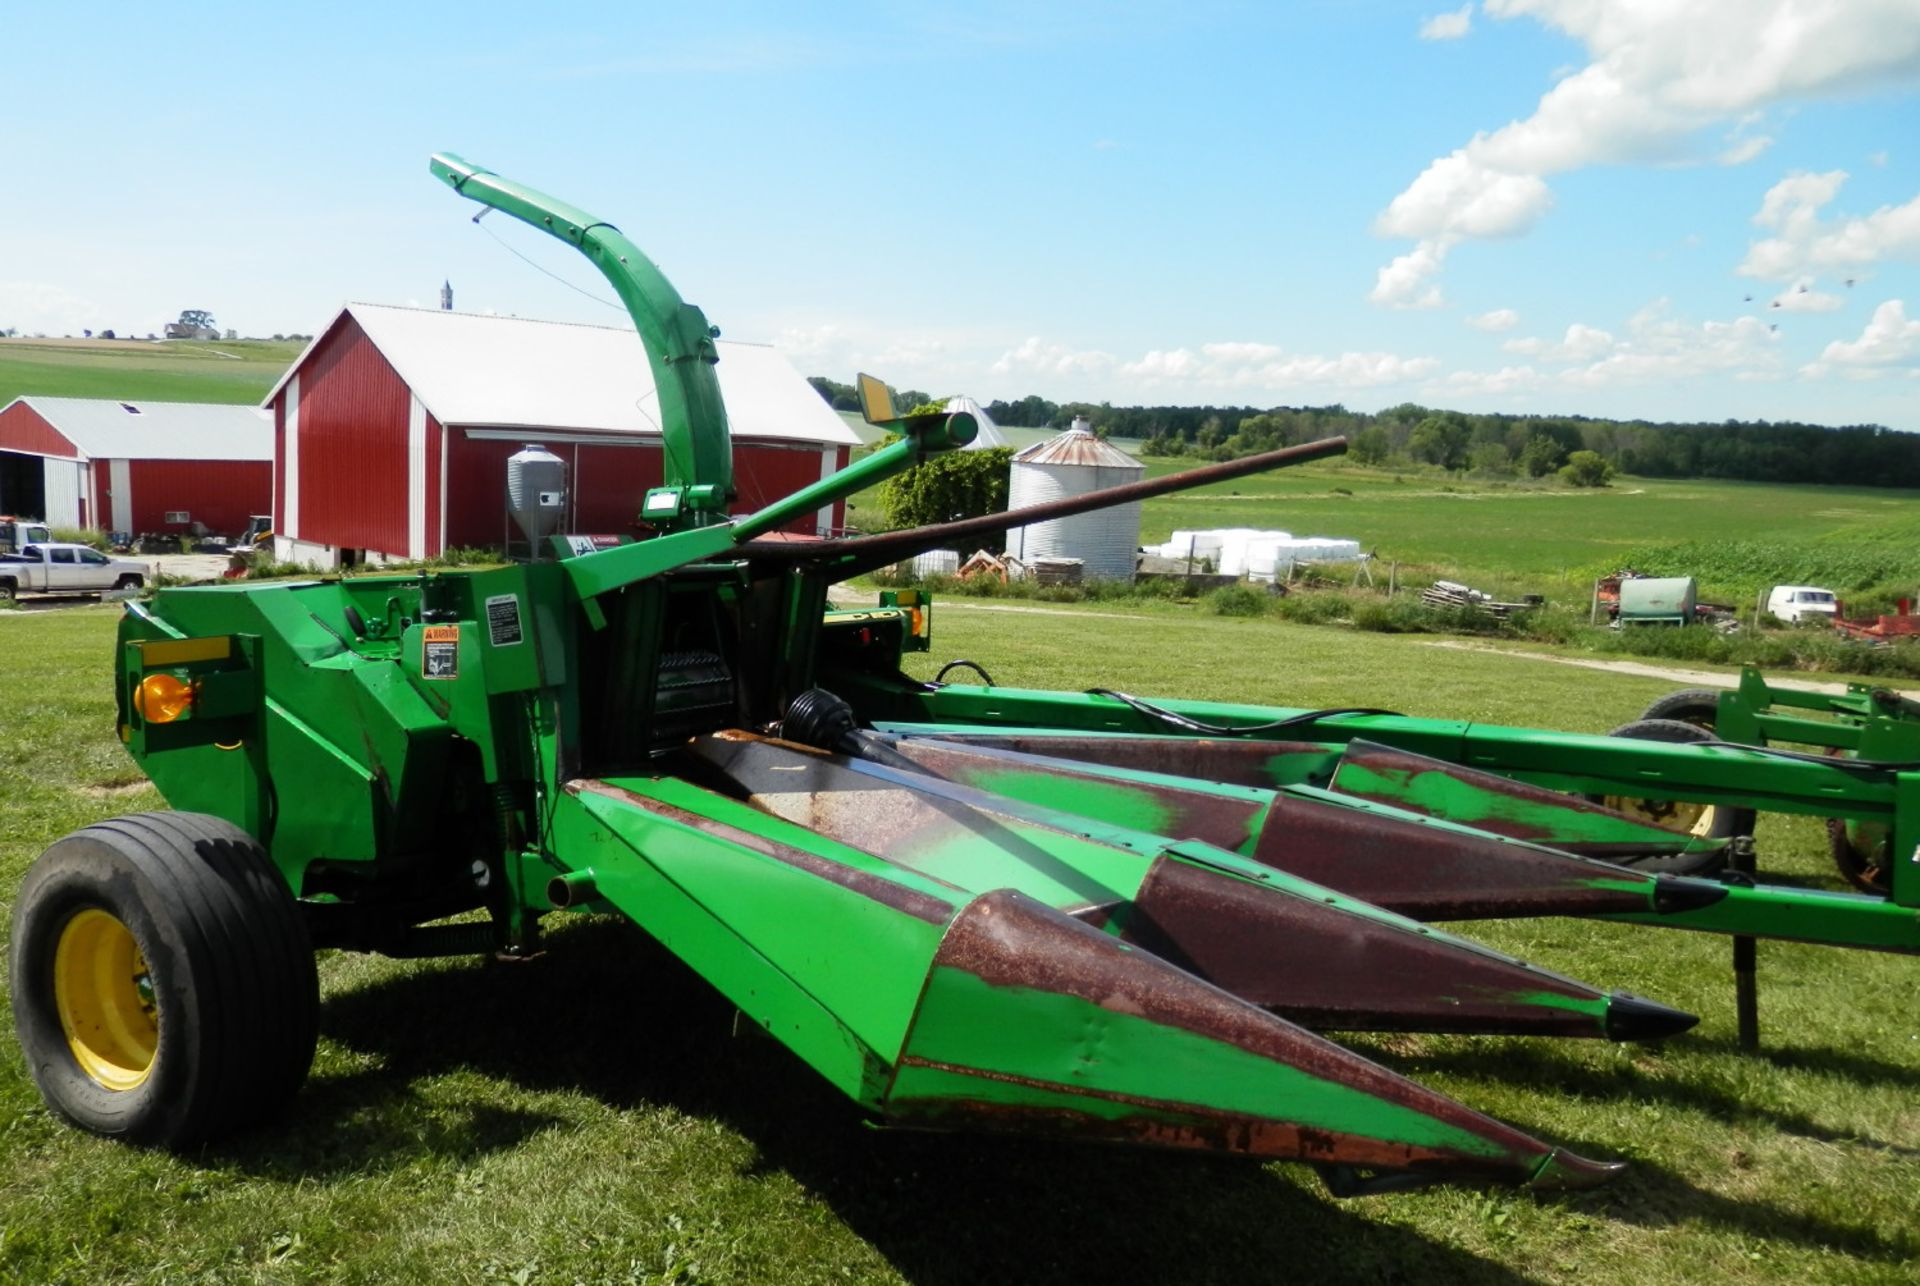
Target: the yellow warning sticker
(440, 652)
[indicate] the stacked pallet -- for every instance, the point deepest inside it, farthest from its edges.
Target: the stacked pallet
(1447, 593)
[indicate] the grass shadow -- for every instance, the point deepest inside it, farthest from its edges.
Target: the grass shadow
(612, 1015)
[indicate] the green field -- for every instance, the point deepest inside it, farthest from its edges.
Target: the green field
(589, 1117)
(1735, 538)
(1550, 538)
(174, 371)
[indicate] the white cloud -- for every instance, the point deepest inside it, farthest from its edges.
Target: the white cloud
(1496, 321)
(1744, 150)
(1457, 197)
(1404, 283)
(1891, 340)
(1658, 74)
(1508, 379)
(1267, 367)
(1582, 343)
(1448, 26)
(1801, 297)
(1033, 356)
(1878, 159)
(1804, 241)
(1657, 347)
(35, 307)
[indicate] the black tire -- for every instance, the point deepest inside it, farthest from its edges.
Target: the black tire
(130, 581)
(1707, 821)
(1697, 706)
(1861, 854)
(221, 968)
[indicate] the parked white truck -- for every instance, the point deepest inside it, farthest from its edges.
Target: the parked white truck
(16, 533)
(1796, 603)
(54, 568)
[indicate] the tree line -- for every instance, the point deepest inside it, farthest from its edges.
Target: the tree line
(1491, 444)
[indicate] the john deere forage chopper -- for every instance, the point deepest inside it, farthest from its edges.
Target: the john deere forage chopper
(681, 731)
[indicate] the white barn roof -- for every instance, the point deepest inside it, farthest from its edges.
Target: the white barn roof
(104, 429)
(475, 370)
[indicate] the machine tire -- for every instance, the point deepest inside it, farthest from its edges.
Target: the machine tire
(1860, 856)
(1710, 822)
(179, 919)
(1696, 706)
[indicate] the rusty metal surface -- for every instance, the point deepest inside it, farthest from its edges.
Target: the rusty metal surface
(879, 889)
(1327, 969)
(1009, 941)
(1182, 813)
(867, 552)
(1237, 762)
(1385, 761)
(952, 835)
(1079, 447)
(1435, 873)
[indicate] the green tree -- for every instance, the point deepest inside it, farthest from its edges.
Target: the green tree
(1586, 469)
(959, 484)
(1369, 445)
(1542, 455)
(1439, 441)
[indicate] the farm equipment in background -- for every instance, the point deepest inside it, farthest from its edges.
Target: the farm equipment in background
(1635, 598)
(1880, 628)
(965, 906)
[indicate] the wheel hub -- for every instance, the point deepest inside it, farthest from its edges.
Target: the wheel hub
(105, 999)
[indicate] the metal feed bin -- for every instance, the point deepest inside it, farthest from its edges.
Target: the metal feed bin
(1073, 464)
(1657, 600)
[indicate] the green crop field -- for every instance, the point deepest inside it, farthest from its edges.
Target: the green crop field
(174, 371)
(1553, 539)
(1515, 538)
(591, 1117)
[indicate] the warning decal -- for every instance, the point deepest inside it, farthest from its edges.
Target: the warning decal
(440, 652)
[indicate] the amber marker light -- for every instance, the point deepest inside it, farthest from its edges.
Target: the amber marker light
(161, 698)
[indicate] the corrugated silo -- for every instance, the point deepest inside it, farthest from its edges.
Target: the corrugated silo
(1073, 464)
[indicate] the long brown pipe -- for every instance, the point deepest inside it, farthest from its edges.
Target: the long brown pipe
(865, 553)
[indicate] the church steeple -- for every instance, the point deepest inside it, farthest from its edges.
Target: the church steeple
(446, 296)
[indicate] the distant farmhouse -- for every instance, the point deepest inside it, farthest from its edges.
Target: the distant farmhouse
(194, 323)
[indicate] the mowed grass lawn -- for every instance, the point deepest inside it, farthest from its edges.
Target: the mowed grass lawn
(590, 1117)
(174, 371)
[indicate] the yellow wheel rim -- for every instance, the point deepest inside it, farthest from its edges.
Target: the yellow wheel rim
(1690, 819)
(105, 999)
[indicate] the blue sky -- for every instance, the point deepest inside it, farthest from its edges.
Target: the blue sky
(1525, 205)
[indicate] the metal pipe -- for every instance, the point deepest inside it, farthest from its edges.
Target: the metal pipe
(572, 889)
(677, 338)
(864, 553)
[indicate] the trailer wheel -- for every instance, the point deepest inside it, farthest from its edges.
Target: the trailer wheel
(1708, 821)
(1860, 854)
(163, 983)
(1697, 706)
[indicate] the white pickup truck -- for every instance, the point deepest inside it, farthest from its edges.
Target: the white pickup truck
(53, 568)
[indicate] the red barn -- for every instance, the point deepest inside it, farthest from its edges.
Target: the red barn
(392, 431)
(135, 466)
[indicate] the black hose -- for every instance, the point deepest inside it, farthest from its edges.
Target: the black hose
(1179, 720)
(960, 663)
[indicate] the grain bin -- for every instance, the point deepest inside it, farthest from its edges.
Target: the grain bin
(1073, 464)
